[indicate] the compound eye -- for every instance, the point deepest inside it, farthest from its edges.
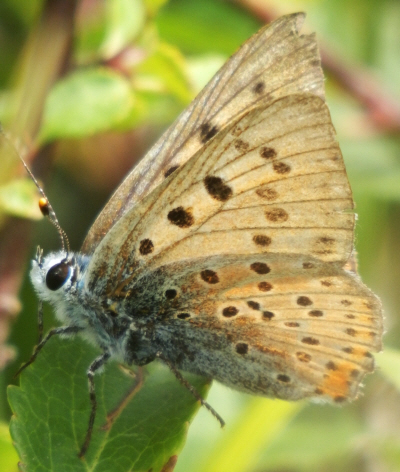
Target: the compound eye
(58, 275)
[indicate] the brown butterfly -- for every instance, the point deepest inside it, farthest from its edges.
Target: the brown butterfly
(226, 251)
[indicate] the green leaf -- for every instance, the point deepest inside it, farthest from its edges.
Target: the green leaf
(164, 72)
(19, 198)
(51, 411)
(206, 26)
(8, 456)
(203, 68)
(152, 6)
(107, 28)
(86, 102)
(125, 20)
(161, 86)
(9, 158)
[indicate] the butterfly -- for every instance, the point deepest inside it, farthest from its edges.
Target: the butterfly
(228, 251)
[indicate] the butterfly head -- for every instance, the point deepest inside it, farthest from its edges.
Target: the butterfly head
(53, 275)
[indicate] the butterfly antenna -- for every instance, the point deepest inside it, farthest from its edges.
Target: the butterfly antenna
(47, 210)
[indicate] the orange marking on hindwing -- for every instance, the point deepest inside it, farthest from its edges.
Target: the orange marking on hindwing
(337, 382)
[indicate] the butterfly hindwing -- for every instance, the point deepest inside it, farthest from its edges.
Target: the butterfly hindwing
(291, 327)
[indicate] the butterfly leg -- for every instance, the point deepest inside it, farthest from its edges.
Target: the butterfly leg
(40, 322)
(94, 366)
(113, 415)
(191, 389)
(38, 348)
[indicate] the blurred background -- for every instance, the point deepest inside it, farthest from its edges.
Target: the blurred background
(85, 89)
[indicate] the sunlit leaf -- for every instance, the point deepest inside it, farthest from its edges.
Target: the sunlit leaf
(86, 102)
(20, 198)
(8, 456)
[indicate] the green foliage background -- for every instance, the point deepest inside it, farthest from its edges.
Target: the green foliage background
(97, 122)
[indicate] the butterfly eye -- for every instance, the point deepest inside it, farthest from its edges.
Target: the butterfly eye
(58, 274)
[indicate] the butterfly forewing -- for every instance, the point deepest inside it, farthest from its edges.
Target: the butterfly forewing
(275, 62)
(271, 182)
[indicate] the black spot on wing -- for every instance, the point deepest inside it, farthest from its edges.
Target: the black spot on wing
(169, 171)
(304, 301)
(281, 168)
(267, 152)
(253, 305)
(260, 267)
(217, 188)
(170, 294)
(267, 315)
(242, 348)
(230, 311)
(276, 215)
(207, 131)
(146, 247)
(241, 145)
(181, 217)
(209, 276)
(262, 240)
(264, 286)
(259, 88)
